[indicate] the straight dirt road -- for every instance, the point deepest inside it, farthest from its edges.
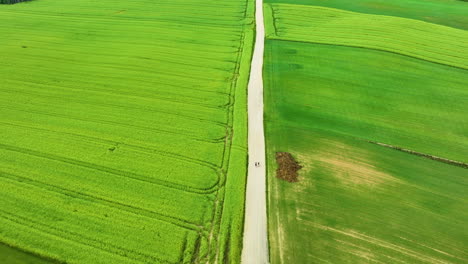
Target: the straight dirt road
(255, 249)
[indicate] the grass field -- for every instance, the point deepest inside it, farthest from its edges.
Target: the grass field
(123, 130)
(360, 203)
(334, 81)
(404, 36)
(450, 13)
(372, 95)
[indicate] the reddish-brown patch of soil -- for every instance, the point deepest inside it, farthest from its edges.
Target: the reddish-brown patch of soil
(287, 167)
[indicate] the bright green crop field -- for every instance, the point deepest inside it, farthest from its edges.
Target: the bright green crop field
(123, 130)
(422, 40)
(444, 12)
(339, 76)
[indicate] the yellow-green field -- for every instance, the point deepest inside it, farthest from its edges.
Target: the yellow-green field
(337, 80)
(123, 130)
(404, 36)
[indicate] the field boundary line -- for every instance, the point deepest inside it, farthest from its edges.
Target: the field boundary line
(424, 155)
(359, 47)
(427, 43)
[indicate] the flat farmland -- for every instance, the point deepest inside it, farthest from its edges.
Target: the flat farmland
(338, 82)
(450, 13)
(413, 38)
(123, 130)
(356, 202)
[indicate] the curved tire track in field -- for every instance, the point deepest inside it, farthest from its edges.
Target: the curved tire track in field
(122, 124)
(112, 171)
(132, 146)
(104, 201)
(255, 247)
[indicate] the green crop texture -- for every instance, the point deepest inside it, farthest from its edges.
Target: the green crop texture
(373, 95)
(123, 130)
(409, 37)
(443, 12)
(336, 82)
(360, 203)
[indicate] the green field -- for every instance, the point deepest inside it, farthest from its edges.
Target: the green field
(444, 12)
(123, 130)
(422, 40)
(335, 80)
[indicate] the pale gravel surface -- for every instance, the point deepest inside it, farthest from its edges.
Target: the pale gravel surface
(255, 248)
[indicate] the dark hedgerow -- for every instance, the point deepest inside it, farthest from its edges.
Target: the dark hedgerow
(8, 2)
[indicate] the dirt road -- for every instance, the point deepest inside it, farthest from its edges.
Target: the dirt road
(255, 248)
